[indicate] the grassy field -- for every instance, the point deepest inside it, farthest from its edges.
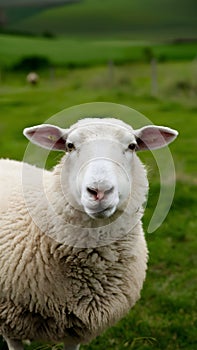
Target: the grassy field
(165, 317)
(66, 51)
(136, 18)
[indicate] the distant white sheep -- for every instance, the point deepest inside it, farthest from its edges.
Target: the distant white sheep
(32, 78)
(73, 256)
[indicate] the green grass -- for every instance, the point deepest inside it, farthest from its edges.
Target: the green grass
(63, 51)
(136, 18)
(165, 317)
(86, 51)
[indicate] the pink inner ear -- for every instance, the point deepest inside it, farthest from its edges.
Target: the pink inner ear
(167, 135)
(60, 145)
(47, 137)
(154, 137)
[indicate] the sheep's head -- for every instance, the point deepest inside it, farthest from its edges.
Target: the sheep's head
(100, 163)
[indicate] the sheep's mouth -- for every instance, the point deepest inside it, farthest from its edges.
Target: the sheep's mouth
(102, 213)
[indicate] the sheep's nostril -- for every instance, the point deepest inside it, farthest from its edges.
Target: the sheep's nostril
(92, 191)
(98, 194)
(95, 193)
(109, 191)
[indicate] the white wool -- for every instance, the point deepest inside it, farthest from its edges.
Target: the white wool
(63, 276)
(32, 78)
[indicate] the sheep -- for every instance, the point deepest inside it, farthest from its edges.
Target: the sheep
(73, 255)
(32, 78)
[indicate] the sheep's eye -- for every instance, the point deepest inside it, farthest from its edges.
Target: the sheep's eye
(132, 146)
(70, 146)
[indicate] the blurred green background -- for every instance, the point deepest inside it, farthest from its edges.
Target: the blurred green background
(142, 54)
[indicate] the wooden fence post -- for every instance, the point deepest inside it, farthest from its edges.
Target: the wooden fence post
(154, 77)
(111, 72)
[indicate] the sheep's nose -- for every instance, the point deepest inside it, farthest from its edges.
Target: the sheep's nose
(99, 194)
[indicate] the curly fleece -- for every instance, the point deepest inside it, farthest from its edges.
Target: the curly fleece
(54, 291)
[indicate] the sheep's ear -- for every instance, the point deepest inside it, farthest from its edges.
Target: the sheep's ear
(47, 136)
(153, 137)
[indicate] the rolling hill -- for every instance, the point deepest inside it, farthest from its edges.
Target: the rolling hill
(13, 11)
(163, 19)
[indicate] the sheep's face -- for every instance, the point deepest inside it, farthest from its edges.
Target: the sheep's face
(100, 163)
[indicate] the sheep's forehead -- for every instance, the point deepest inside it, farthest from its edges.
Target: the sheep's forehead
(95, 128)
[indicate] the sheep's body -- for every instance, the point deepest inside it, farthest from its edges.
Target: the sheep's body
(52, 292)
(73, 255)
(32, 78)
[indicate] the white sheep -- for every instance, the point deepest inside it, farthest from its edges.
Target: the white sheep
(73, 255)
(32, 78)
